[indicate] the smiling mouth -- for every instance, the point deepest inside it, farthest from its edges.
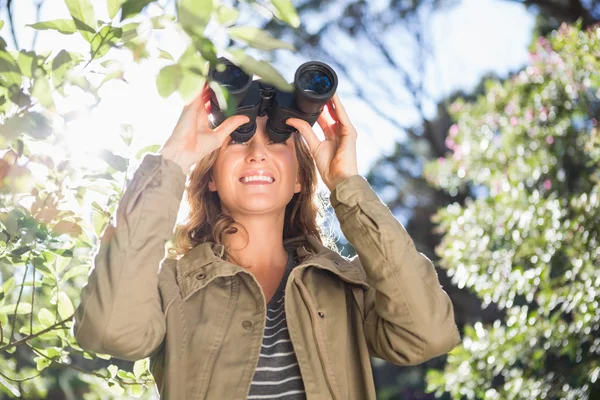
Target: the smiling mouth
(257, 181)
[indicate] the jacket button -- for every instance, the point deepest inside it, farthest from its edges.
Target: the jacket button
(321, 314)
(247, 325)
(200, 275)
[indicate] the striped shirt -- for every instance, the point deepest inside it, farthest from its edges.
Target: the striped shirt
(277, 375)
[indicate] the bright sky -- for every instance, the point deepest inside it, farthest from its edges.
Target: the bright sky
(469, 40)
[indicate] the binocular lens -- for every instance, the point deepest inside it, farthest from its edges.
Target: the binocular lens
(316, 81)
(232, 77)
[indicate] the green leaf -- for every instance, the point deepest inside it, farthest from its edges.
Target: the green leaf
(113, 7)
(227, 15)
(285, 11)
(10, 73)
(140, 367)
(191, 84)
(129, 31)
(83, 14)
(223, 98)
(193, 15)
(116, 389)
(1, 24)
(24, 308)
(168, 80)
(206, 48)
(61, 263)
(165, 54)
(64, 26)
(261, 68)
(41, 362)
(65, 306)
(104, 40)
(192, 59)
(112, 369)
(75, 271)
(27, 62)
(33, 124)
(153, 148)
(115, 161)
(61, 65)
(43, 92)
(136, 390)
(258, 38)
(117, 74)
(10, 388)
(46, 317)
(131, 8)
(126, 134)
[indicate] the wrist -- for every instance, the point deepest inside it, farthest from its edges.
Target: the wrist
(340, 179)
(172, 155)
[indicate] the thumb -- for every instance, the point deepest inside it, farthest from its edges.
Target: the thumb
(230, 125)
(306, 131)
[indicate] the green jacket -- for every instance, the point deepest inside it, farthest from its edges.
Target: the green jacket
(201, 318)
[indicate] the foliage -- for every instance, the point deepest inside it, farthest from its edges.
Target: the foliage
(52, 208)
(528, 242)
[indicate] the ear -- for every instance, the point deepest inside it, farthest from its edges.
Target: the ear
(298, 187)
(211, 184)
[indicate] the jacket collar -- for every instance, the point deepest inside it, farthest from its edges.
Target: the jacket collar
(206, 262)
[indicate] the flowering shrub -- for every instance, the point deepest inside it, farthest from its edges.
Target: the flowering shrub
(528, 152)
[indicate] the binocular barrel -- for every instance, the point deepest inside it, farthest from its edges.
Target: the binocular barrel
(314, 85)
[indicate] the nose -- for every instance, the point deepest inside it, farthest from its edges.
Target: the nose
(256, 151)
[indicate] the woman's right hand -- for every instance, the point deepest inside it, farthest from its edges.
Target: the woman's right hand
(193, 137)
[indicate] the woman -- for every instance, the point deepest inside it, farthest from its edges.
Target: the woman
(253, 305)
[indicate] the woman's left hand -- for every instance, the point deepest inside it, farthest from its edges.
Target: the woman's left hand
(335, 156)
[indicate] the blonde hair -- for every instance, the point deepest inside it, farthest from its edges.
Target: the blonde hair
(206, 221)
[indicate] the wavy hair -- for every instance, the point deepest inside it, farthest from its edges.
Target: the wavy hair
(206, 220)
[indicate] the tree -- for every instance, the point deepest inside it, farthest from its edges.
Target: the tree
(528, 240)
(47, 240)
(553, 13)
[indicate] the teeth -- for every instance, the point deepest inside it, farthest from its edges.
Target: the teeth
(257, 178)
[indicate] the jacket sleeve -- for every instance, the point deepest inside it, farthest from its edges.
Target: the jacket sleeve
(120, 312)
(408, 317)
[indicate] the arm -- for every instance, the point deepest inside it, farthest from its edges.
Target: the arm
(120, 311)
(409, 319)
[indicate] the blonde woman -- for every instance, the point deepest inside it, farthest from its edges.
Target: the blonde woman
(251, 303)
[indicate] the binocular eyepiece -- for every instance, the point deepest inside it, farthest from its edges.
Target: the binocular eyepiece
(314, 84)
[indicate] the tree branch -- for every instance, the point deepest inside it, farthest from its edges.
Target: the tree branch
(26, 338)
(12, 25)
(38, 12)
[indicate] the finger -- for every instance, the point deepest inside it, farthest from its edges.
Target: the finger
(327, 123)
(340, 110)
(324, 123)
(206, 94)
(306, 131)
(230, 125)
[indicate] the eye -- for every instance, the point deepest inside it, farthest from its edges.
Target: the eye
(269, 142)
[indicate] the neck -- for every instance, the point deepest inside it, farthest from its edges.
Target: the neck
(259, 244)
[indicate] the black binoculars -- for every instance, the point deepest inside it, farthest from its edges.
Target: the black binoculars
(314, 85)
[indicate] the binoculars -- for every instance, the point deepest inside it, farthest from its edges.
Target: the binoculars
(314, 85)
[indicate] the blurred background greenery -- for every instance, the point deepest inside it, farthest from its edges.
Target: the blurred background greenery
(477, 126)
